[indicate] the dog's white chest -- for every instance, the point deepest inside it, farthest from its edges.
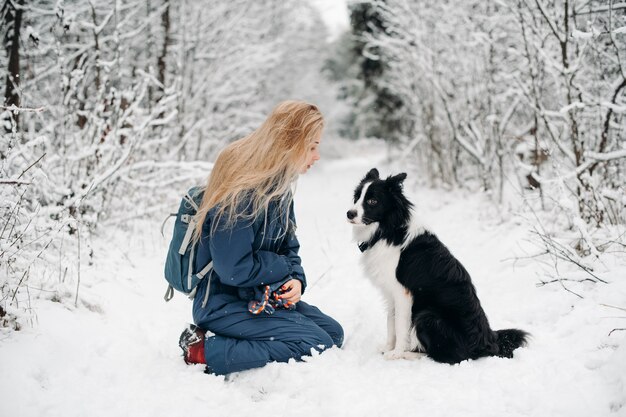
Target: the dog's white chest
(380, 263)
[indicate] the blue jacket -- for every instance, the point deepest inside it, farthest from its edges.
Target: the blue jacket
(247, 255)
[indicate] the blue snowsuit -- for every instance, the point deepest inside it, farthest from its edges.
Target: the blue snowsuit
(246, 256)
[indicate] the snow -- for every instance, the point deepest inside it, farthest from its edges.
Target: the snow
(621, 29)
(117, 354)
(334, 13)
(579, 34)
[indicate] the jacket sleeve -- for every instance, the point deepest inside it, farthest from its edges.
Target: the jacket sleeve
(290, 248)
(237, 263)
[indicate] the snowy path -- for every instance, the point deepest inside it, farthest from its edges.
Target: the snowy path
(120, 357)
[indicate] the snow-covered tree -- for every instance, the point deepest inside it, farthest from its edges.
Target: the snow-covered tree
(495, 91)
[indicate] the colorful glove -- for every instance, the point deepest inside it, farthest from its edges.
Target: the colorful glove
(270, 300)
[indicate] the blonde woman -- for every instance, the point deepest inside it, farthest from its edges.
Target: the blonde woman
(252, 313)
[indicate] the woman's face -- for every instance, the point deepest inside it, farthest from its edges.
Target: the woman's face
(312, 155)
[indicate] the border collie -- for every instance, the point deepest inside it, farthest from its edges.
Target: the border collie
(431, 301)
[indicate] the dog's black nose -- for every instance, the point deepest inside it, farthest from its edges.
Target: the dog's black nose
(351, 214)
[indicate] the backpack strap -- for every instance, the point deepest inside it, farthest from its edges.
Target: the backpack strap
(205, 270)
(169, 293)
(200, 275)
(191, 265)
(191, 225)
(165, 221)
(183, 247)
(189, 199)
(208, 288)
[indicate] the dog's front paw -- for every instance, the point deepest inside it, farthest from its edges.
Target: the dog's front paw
(401, 354)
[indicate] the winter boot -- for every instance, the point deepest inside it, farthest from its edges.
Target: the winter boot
(192, 343)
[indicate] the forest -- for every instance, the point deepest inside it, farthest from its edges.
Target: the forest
(109, 106)
(508, 115)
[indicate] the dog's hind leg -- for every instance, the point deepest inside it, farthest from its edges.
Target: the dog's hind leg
(439, 339)
(414, 342)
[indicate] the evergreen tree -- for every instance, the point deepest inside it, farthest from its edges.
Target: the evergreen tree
(377, 110)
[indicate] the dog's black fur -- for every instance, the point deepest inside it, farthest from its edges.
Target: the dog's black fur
(450, 323)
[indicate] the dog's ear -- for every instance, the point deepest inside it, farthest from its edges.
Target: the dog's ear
(397, 179)
(372, 175)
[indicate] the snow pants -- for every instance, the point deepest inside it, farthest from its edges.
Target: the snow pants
(244, 341)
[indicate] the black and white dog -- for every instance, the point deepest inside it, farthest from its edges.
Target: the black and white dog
(432, 303)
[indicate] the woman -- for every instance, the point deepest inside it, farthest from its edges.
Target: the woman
(246, 226)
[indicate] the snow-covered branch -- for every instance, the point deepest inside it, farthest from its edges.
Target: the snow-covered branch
(606, 156)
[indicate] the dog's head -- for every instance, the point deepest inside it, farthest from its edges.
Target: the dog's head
(377, 200)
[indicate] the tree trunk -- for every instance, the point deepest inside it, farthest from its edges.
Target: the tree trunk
(13, 21)
(165, 22)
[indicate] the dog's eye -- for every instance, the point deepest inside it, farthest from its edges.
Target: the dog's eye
(372, 201)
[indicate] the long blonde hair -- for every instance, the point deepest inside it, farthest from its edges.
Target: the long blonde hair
(261, 167)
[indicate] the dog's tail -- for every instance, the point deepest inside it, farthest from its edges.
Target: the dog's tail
(509, 340)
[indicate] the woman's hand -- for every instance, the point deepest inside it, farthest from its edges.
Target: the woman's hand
(292, 291)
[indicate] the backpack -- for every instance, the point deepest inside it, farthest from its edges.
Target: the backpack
(179, 264)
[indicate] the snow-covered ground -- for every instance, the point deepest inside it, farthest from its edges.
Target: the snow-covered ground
(117, 353)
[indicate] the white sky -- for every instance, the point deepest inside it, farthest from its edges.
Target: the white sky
(335, 14)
